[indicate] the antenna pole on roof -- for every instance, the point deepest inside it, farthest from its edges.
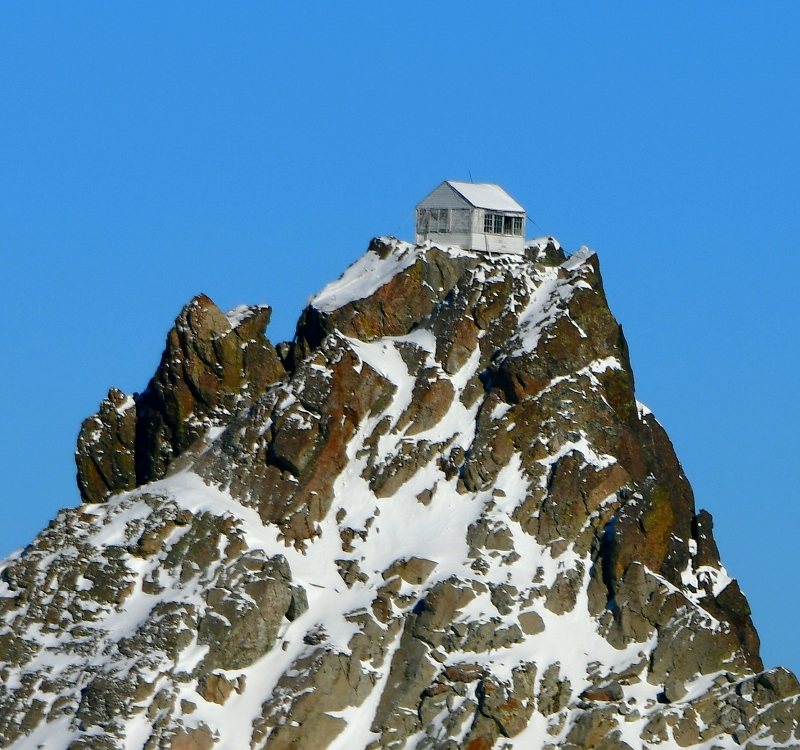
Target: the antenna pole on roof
(470, 177)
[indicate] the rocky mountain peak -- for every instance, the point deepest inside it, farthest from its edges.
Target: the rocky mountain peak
(437, 519)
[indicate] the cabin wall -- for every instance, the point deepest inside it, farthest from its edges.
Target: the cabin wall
(493, 243)
(497, 243)
(477, 220)
(446, 239)
(444, 197)
(457, 220)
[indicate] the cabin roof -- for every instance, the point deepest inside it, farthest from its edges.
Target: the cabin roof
(486, 195)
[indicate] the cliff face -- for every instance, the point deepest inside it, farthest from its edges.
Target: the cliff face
(438, 519)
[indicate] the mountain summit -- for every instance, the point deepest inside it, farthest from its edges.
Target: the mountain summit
(438, 519)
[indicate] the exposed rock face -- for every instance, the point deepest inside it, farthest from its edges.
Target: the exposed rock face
(438, 519)
(213, 365)
(106, 454)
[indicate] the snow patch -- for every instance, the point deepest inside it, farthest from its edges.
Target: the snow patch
(368, 274)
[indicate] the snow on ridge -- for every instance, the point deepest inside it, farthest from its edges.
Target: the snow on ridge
(455, 251)
(240, 313)
(578, 258)
(125, 405)
(540, 243)
(549, 299)
(368, 274)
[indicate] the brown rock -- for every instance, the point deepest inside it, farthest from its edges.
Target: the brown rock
(215, 688)
(208, 370)
(296, 439)
(531, 623)
(554, 694)
(414, 570)
(105, 456)
(394, 308)
(350, 572)
(297, 715)
(592, 726)
(464, 672)
(199, 738)
(410, 673)
(610, 691)
(735, 610)
(241, 625)
(509, 706)
(430, 400)
(454, 349)
(563, 595)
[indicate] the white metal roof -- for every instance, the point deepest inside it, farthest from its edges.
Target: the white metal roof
(486, 195)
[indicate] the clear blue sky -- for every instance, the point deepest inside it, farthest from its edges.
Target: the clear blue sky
(151, 151)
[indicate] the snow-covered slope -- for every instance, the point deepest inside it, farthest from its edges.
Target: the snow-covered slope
(438, 519)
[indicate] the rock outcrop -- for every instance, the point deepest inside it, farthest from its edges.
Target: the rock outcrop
(437, 519)
(214, 364)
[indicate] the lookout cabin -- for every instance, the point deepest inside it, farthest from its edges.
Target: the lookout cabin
(472, 215)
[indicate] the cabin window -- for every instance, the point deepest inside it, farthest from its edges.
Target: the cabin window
(460, 220)
(499, 224)
(434, 220)
(512, 225)
(493, 223)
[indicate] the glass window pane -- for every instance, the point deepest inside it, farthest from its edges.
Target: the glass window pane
(498, 224)
(459, 220)
(488, 222)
